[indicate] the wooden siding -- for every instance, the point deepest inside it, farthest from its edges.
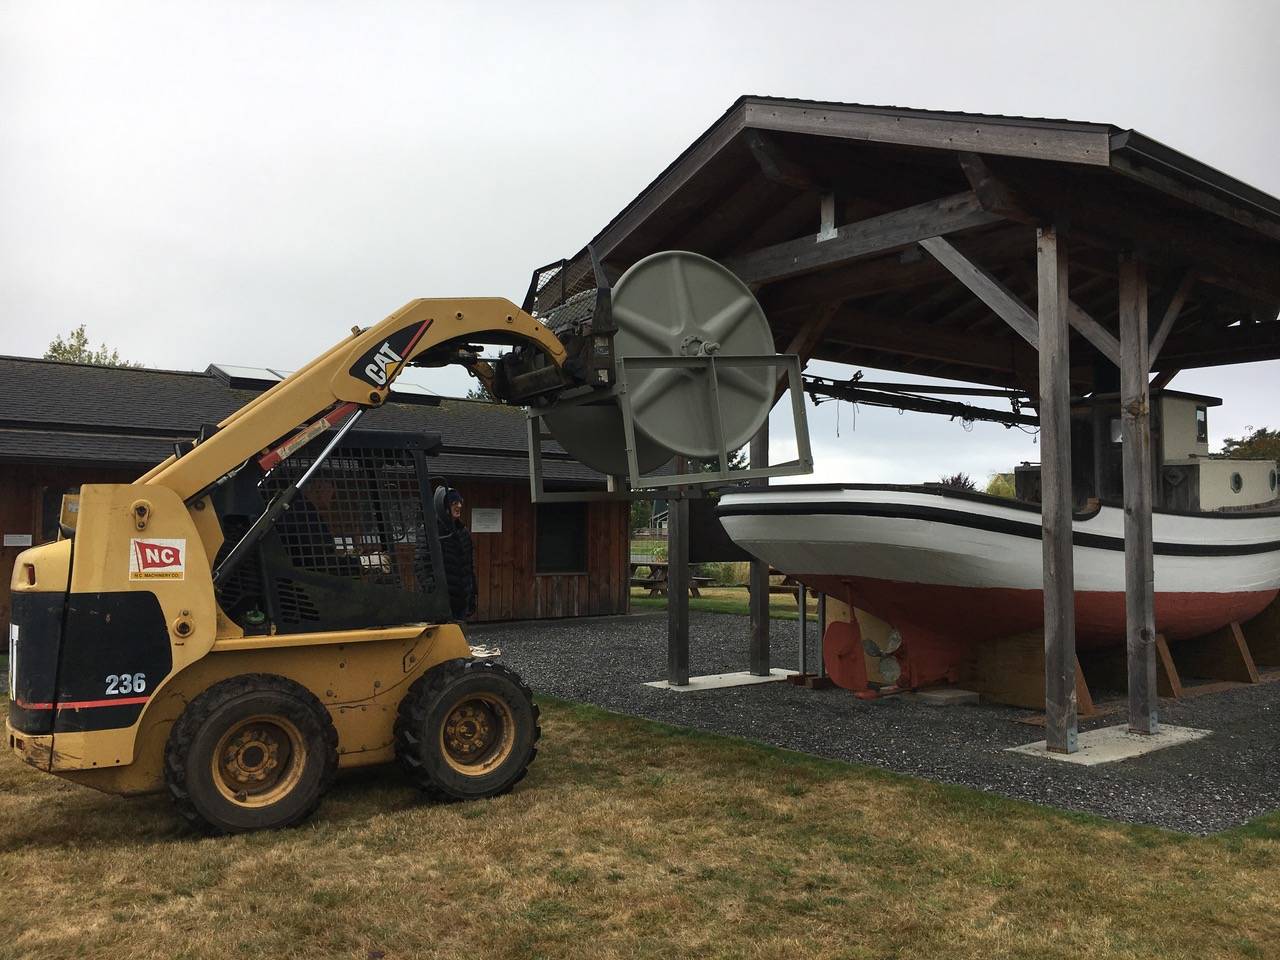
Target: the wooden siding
(509, 586)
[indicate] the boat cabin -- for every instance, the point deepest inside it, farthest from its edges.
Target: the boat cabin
(1186, 476)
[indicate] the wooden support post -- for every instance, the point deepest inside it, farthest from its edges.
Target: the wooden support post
(822, 634)
(802, 601)
(1101, 437)
(758, 654)
(1060, 702)
(678, 585)
(1139, 569)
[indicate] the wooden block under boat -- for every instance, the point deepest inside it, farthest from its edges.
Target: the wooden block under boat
(1011, 671)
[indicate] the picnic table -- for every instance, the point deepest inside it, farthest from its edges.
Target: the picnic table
(656, 579)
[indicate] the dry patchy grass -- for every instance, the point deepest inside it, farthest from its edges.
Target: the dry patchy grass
(629, 839)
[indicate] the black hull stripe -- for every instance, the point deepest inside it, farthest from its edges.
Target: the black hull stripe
(961, 518)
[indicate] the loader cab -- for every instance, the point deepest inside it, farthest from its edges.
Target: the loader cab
(357, 549)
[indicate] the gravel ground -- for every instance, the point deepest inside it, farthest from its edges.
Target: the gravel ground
(1201, 787)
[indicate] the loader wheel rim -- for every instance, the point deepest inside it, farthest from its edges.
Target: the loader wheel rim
(259, 761)
(478, 734)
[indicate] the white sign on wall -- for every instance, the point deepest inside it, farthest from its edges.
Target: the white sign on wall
(486, 519)
(17, 539)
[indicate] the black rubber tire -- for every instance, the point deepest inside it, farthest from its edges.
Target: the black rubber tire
(427, 705)
(189, 752)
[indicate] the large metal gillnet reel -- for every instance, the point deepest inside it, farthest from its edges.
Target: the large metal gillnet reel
(676, 304)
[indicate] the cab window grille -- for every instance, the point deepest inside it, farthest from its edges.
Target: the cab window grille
(361, 516)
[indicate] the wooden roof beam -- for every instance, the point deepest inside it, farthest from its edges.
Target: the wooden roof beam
(866, 238)
(886, 273)
(1040, 140)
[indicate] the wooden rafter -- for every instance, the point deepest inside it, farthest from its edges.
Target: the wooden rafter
(866, 238)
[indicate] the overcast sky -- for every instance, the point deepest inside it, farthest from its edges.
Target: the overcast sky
(241, 183)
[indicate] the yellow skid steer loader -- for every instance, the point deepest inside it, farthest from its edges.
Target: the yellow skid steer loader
(251, 616)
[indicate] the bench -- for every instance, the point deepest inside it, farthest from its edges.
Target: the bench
(657, 586)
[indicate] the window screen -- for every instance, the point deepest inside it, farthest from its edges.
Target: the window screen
(561, 538)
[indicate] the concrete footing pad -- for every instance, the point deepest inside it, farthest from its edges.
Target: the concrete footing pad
(717, 681)
(1111, 744)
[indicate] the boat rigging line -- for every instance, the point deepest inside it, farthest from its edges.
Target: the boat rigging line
(923, 398)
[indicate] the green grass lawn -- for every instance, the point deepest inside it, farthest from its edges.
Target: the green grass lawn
(630, 839)
(726, 600)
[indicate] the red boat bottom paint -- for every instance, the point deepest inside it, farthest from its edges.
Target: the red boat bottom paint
(940, 625)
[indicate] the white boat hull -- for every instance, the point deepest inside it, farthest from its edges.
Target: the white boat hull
(955, 569)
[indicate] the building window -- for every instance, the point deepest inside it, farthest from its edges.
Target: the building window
(561, 538)
(1237, 483)
(1117, 430)
(1273, 481)
(1202, 424)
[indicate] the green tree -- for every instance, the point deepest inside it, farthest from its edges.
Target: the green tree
(75, 348)
(1261, 444)
(641, 513)
(737, 461)
(478, 392)
(959, 481)
(1001, 485)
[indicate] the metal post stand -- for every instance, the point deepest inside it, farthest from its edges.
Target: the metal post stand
(678, 587)
(758, 653)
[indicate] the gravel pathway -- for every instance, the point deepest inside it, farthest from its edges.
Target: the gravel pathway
(1202, 787)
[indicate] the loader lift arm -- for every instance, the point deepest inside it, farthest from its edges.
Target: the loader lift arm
(354, 375)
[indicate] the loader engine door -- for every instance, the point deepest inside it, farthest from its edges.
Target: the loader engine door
(139, 608)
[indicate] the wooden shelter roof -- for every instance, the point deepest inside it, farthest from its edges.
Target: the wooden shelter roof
(830, 210)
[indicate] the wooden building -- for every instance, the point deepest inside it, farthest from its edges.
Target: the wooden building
(65, 424)
(1061, 258)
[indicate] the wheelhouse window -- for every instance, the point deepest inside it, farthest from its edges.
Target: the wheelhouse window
(561, 538)
(1202, 424)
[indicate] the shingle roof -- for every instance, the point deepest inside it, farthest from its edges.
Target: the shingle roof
(56, 412)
